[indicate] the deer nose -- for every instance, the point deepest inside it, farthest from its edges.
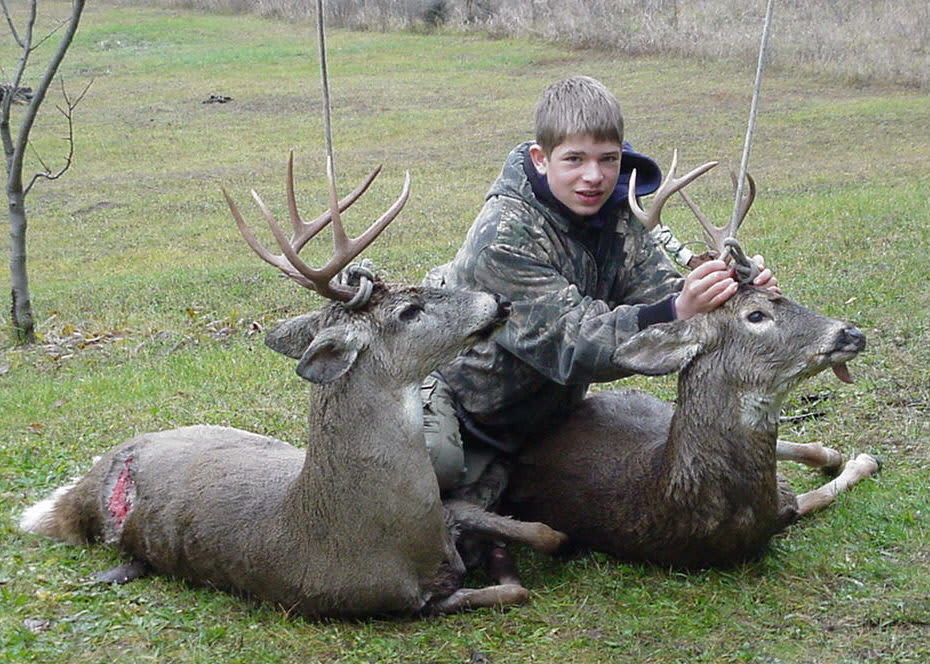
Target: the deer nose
(503, 306)
(852, 336)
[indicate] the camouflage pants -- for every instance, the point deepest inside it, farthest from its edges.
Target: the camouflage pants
(475, 473)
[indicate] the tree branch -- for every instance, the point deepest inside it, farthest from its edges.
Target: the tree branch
(16, 163)
(9, 146)
(68, 112)
(50, 34)
(9, 21)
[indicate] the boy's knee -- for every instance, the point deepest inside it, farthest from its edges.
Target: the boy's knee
(441, 428)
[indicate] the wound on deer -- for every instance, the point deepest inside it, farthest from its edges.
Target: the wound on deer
(122, 495)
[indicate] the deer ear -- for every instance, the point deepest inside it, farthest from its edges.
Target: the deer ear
(331, 354)
(659, 349)
(292, 337)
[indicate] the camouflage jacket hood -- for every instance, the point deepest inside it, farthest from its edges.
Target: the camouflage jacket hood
(576, 293)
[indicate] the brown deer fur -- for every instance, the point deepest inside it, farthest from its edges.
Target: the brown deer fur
(353, 525)
(696, 485)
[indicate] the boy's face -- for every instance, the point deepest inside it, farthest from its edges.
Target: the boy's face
(582, 172)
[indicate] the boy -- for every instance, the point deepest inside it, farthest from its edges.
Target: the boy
(555, 238)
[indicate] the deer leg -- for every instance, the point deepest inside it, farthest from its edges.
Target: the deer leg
(121, 574)
(473, 598)
(787, 505)
(854, 471)
(471, 519)
(501, 567)
(814, 455)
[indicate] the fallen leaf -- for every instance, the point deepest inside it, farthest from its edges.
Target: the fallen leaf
(36, 625)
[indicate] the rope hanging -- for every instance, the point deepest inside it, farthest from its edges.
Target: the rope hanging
(757, 88)
(324, 77)
(356, 274)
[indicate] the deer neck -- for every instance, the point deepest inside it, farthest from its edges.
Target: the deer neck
(366, 440)
(720, 433)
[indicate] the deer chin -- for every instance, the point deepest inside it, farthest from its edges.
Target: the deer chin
(484, 333)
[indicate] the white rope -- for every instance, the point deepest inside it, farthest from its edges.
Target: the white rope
(760, 68)
(327, 121)
(356, 274)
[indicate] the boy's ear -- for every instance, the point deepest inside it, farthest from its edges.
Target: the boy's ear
(540, 161)
(659, 349)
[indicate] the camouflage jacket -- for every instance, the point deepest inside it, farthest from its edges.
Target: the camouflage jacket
(576, 293)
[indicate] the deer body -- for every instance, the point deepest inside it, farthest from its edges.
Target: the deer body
(352, 526)
(695, 485)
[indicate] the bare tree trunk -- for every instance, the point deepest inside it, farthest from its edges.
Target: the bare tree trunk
(14, 148)
(21, 308)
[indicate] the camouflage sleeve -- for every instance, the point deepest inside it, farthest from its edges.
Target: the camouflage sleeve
(672, 245)
(567, 337)
(652, 275)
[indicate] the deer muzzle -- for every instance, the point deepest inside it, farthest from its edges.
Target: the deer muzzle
(849, 343)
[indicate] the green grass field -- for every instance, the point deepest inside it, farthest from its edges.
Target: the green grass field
(148, 304)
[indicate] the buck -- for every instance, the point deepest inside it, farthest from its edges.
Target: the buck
(696, 485)
(352, 526)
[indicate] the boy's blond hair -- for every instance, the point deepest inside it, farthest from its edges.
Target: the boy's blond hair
(577, 105)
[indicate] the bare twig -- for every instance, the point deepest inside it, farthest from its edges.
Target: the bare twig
(50, 34)
(68, 113)
(15, 164)
(9, 21)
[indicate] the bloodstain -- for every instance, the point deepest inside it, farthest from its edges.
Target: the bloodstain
(120, 503)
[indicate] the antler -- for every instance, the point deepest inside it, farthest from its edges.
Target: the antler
(669, 187)
(717, 236)
(344, 248)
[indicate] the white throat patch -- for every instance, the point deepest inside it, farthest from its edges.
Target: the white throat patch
(759, 411)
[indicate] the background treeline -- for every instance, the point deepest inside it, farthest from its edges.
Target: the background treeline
(868, 41)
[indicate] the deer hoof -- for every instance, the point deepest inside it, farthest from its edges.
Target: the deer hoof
(122, 573)
(867, 458)
(549, 540)
(834, 463)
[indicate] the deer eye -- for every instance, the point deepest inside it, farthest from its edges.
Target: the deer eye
(756, 317)
(410, 313)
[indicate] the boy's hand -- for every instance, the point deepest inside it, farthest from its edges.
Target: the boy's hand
(765, 278)
(711, 284)
(706, 287)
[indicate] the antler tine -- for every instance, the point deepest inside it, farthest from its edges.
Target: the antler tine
(305, 231)
(340, 239)
(746, 201)
(344, 249)
(356, 246)
(277, 261)
(671, 184)
(320, 280)
(717, 235)
(713, 235)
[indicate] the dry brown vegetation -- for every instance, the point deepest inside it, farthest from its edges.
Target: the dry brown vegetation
(865, 41)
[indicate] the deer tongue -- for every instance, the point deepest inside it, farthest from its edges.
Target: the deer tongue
(842, 372)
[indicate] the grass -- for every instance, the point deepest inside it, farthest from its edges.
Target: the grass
(862, 41)
(149, 306)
